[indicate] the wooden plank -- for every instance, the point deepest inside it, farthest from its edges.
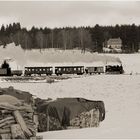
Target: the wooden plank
(48, 123)
(94, 118)
(26, 108)
(22, 124)
(91, 120)
(6, 119)
(4, 131)
(32, 129)
(6, 136)
(17, 132)
(8, 106)
(7, 123)
(36, 121)
(6, 111)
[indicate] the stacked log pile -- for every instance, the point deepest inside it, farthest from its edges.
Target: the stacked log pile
(86, 119)
(16, 122)
(58, 115)
(48, 123)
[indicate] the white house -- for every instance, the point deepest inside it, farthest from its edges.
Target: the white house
(114, 43)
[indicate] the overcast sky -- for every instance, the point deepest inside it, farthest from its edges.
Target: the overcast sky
(69, 13)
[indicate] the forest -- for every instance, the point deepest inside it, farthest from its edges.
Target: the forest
(91, 39)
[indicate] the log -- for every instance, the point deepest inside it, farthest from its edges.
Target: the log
(6, 119)
(36, 121)
(16, 131)
(8, 106)
(4, 131)
(27, 115)
(32, 129)
(6, 136)
(5, 112)
(95, 114)
(48, 121)
(22, 124)
(29, 123)
(26, 108)
(7, 123)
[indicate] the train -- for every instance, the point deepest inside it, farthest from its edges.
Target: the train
(60, 70)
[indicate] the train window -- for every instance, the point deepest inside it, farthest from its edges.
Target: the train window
(79, 68)
(44, 69)
(75, 69)
(40, 69)
(95, 69)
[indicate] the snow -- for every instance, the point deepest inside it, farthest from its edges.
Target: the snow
(120, 93)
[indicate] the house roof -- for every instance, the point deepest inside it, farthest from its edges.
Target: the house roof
(114, 41)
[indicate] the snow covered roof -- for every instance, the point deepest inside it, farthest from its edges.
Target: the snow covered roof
(114, 41)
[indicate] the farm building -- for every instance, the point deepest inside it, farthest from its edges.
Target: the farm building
(114, 43)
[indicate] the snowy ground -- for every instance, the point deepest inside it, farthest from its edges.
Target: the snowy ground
(119, 92)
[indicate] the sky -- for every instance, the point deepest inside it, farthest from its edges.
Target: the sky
(69, 13)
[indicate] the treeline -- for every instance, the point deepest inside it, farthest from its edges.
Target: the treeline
(83, 38)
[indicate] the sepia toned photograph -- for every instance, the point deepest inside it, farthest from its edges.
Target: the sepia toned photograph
(69, 70)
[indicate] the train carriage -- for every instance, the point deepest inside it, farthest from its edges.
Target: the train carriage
(79, 70)
(16, 72)
(38, 70)
(94, 70)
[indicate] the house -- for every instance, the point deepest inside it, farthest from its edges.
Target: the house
(114, 43)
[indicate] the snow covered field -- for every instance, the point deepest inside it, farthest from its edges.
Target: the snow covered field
(120, 93)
